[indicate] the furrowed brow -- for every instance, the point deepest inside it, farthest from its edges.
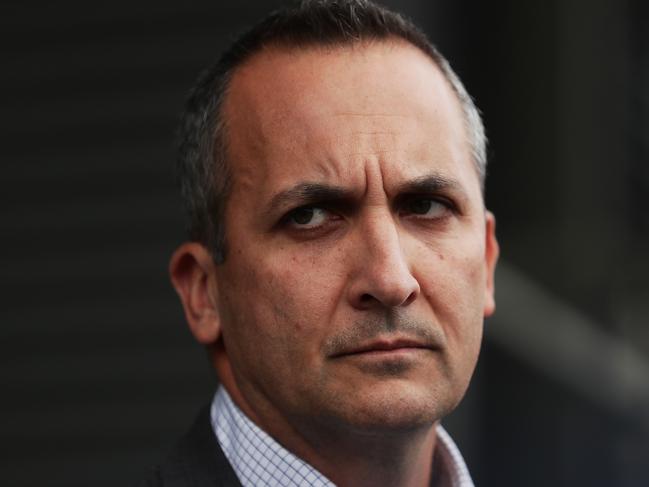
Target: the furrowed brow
(308, 193)
(432, 183)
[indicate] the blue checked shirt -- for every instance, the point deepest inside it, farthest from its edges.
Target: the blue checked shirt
(258, 460)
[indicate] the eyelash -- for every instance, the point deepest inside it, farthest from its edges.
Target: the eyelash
(446, 204)
(403, 205)
(304, 231)
(294, 213)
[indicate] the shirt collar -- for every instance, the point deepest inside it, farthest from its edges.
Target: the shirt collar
(258, 459)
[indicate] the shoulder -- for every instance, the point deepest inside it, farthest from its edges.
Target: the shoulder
(195, 461)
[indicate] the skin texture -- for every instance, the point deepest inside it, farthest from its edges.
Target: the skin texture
(355, 225)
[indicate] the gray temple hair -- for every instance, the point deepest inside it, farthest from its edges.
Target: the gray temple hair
(203, 173)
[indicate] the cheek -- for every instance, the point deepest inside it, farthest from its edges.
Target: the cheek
(454, 283)
(277, 303)
(454, 290)
(307, 283)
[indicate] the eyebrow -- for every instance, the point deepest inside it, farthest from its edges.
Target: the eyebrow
(434, 183)
(306, 193)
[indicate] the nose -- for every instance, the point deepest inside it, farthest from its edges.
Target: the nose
(382, 276)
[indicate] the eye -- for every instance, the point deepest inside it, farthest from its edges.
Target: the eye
(428, 208)
(307, 217)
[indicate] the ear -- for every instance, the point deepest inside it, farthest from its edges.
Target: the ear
(193, 275)
(492, 251)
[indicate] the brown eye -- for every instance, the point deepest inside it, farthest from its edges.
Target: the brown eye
(302, 216)
(307, 217)
(426, 208)
(420, 206)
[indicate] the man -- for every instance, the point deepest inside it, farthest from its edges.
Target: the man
(341, 259)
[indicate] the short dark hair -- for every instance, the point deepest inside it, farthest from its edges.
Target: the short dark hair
(203, 172)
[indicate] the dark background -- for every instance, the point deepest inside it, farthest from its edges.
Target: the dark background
(99, 374)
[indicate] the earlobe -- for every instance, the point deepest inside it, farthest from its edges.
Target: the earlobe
(192, 274)
(492, 251)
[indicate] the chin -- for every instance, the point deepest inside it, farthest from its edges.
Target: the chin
(394, 408)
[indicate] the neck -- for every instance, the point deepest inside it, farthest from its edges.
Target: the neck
(386, 458)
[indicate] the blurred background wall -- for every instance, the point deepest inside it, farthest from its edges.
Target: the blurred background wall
(99, 374)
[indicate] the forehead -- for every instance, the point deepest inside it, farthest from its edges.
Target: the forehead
(329, 113)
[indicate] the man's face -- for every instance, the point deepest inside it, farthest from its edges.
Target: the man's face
(360, 258)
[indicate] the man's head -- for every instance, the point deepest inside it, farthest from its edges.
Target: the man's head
(203, 167)
(360, 255)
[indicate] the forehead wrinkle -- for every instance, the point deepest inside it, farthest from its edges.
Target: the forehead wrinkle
(374, 152)
(369, 115)
(329, 168)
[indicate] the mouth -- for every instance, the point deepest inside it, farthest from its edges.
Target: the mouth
(386, 347)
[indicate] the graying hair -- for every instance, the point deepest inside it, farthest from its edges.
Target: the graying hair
(203, 172)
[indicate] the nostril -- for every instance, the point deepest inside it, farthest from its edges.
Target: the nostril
(410, 299)
(388, 300)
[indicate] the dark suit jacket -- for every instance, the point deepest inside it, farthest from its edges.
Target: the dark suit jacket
(196, 461)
